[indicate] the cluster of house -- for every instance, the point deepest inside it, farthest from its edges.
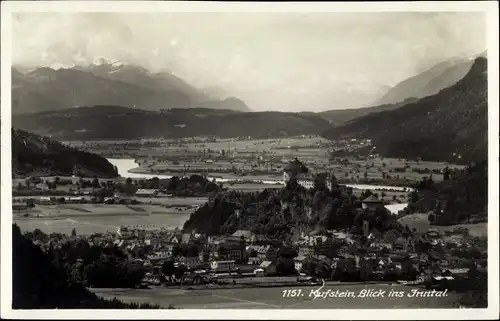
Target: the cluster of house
(352, 145)
(22, 203)
(239, 253)
(246, 254)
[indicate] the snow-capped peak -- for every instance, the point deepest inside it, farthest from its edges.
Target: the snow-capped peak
(100, 61)
(113, 65)
(57, 66)
(117, 63)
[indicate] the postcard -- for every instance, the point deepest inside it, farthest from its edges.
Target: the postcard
(249, 160)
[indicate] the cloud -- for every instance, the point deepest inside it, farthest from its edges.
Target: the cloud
(273, 61)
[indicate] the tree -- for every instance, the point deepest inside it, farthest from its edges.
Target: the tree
(73, 232)
(95, 183)
(180, 271)
(287, 253)
(319, 181)
(446, 174)
(414, 197)
(77, 273)
(177, 250)
(40, 236)
(155, 183)
(168, 268)
(174, 182)
(192, 250)
(30, 203)
(285, 267)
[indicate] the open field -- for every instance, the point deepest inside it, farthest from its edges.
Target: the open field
(94, 210)
(99, 224)
(421, 223)
(191, 155)
(272, 298)
(92, 218)
(173, 201)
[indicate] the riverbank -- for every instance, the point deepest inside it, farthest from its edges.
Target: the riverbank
(129, 168)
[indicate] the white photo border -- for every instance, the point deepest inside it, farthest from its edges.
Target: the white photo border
(489, 7)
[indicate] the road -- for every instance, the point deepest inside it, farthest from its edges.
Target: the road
(273, 298)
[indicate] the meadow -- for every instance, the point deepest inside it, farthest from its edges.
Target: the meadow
(202, 154)
(190, 156)
(99, 218)
(421, 223)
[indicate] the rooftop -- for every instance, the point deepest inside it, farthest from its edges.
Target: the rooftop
(245, 233)
(372, 199)
(146, 191)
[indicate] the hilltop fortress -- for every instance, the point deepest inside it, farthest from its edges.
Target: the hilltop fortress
(296, 170)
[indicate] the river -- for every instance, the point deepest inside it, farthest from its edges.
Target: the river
(125, 165)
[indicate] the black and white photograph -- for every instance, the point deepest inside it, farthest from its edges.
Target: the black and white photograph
(249, 160)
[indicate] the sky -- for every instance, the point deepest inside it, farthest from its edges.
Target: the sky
(272, 61)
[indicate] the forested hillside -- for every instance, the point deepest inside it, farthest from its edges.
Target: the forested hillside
(114, 122)
(281, 214)
(38, 282)
(449, 126)
(36, 155)
(338, 117)
(462, 197)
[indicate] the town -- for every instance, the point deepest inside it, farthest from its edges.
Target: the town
(196, 259)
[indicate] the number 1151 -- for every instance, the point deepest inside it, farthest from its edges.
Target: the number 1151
(292, 293)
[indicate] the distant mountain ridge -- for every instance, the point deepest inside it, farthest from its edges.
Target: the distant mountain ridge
(448, 126)
(338, 117)
(144, 78)
(115, 122)
(44, 89)
(428, 82)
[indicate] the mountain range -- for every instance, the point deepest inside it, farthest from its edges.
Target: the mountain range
(105, 83)
(116, 122)
(450, 125)
(438, 114)
(428, 82)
